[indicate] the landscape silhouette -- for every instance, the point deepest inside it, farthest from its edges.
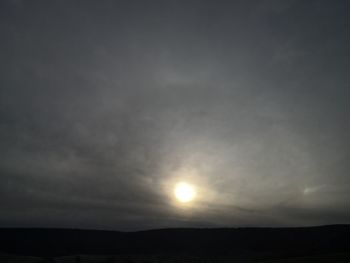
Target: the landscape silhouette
(301, 244)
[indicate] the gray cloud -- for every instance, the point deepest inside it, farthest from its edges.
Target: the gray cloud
(105, 106)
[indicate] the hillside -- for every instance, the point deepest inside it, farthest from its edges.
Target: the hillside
(271, 242)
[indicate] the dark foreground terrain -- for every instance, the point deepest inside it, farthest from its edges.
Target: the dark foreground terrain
(309, 244)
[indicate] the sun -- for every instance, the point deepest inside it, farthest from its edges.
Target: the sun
(184, 192)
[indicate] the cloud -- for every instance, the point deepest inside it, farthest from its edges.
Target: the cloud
(103, 107)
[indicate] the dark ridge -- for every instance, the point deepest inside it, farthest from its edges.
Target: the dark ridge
(265, 241)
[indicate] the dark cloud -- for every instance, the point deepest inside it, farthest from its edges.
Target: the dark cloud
(104, 106)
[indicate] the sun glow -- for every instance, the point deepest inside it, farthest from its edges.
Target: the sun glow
(184, 192)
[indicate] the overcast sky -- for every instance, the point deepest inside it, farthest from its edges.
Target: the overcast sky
(105, 105)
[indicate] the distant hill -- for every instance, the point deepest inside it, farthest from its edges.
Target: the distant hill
(257, 241)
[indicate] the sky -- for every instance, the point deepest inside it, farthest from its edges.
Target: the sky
(106, 105)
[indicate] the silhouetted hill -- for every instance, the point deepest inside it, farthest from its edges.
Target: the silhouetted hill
(257, 241)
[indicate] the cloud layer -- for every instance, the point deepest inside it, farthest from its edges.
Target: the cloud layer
(105, 106)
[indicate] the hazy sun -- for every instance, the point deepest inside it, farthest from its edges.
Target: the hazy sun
(184, 192)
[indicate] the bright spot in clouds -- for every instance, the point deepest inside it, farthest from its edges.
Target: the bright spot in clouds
(184, 192)
(314, 189)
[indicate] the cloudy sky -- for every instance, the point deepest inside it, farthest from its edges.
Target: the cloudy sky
(106, 105)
